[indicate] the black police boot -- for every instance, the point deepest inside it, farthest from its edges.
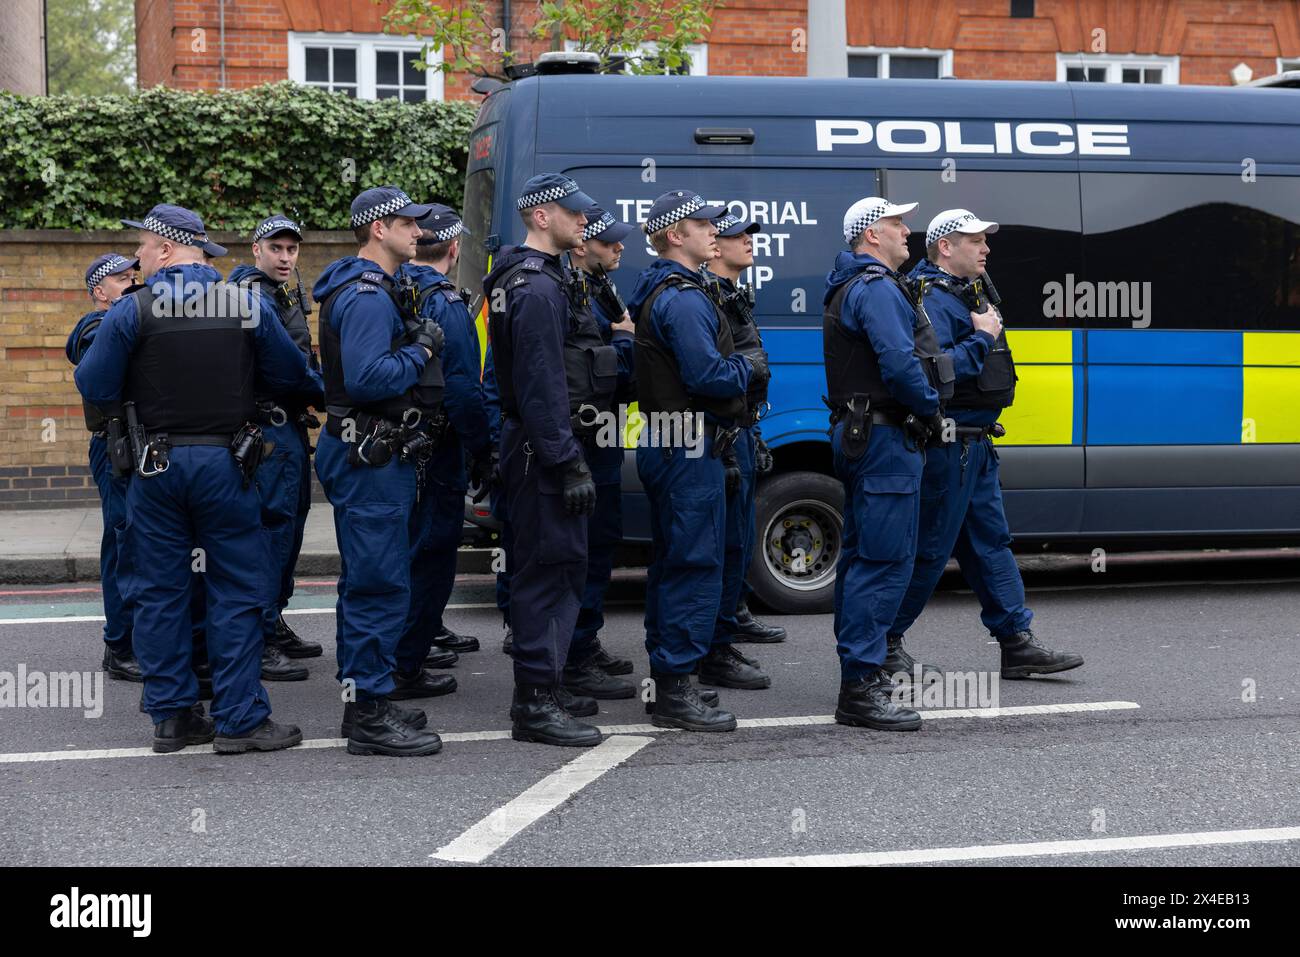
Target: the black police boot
(291, 644)
(710, 698)
(538, 716)
(378, 729)
(1023, 656)
(449, 640)
(866, 703)
(749, 628)
(439, 657)
(587, 678)
(276, 667)
(580, 706)
(899, 662)
(413, 716)
(122, 665)
(728, 668)
(508, 643)
(267, 736)
(678, 705)
(420, 684)
(192, 727)
(610, 664)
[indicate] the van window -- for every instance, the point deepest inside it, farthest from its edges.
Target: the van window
(1039, 233)
(479, 188)
(1219, 253)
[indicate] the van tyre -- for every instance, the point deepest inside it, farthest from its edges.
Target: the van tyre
(799, 520)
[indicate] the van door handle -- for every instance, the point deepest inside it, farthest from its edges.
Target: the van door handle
(724, 136)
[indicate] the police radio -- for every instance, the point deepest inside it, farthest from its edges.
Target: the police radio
(605, 290)
(303, 302)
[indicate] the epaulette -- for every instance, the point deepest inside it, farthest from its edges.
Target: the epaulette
(534, 264)
(373, 277)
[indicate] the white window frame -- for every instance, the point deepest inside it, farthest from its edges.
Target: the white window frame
(366, 45)
(1285, 63)
(699, 53)
(884, 53)
(1115, 62)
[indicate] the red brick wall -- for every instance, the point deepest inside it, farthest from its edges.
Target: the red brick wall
(750, 37)
(1209, 36)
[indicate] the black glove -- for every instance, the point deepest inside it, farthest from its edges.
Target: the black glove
(762, 456)
(429, 334)
(936, 424)
(759, 372)
(579, 489)
(731, 469)
(485, 473)
(758, 363)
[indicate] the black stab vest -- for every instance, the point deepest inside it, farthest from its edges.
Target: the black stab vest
(425, 395)
(590, 364)
(659, 378)
(193, 375)
(995, 386)
(852, 366)
(96, 416)
(745, 336)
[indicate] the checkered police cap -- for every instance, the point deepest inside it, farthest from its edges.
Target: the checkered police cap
(550, 194)
(449, 232)
(866, 212)
(385, 207)
(174, 233)
(598, 226)
(269, 227)
(676, 205)
(956, 221)
(108, 265)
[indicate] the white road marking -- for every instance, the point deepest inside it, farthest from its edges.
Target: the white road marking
(287, 611)
(453, 737)
(492, 833)
(989, 852)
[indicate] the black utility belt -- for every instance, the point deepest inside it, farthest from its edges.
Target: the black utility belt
(150, 452)
(966, 434)
(377, 439)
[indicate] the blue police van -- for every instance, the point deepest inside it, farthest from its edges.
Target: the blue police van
(1148, 262)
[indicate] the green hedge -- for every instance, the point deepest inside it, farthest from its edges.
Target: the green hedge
(235, 157)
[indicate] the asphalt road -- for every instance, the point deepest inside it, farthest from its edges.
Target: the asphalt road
(1172, 749)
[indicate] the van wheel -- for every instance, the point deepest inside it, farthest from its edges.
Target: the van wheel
(800, 529)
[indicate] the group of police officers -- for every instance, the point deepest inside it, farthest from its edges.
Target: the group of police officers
(200, 393)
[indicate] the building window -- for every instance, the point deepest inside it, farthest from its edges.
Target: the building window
(1284, 64)
(1022, 9)
(371, 66)
(1116, 68)
(899, 63)
(699, 54)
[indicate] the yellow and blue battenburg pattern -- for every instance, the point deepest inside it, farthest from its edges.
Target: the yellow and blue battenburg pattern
(1153, 387)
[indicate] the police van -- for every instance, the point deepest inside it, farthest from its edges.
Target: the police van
(1148, 262)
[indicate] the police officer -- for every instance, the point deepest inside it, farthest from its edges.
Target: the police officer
(107, 278)
(440, 508)
(383, 387)
(181, 354)
(686, 366)
(961, 499)
(284, 477)
(750, 454)
(886, 377)
(604, 327)
(548, 484)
